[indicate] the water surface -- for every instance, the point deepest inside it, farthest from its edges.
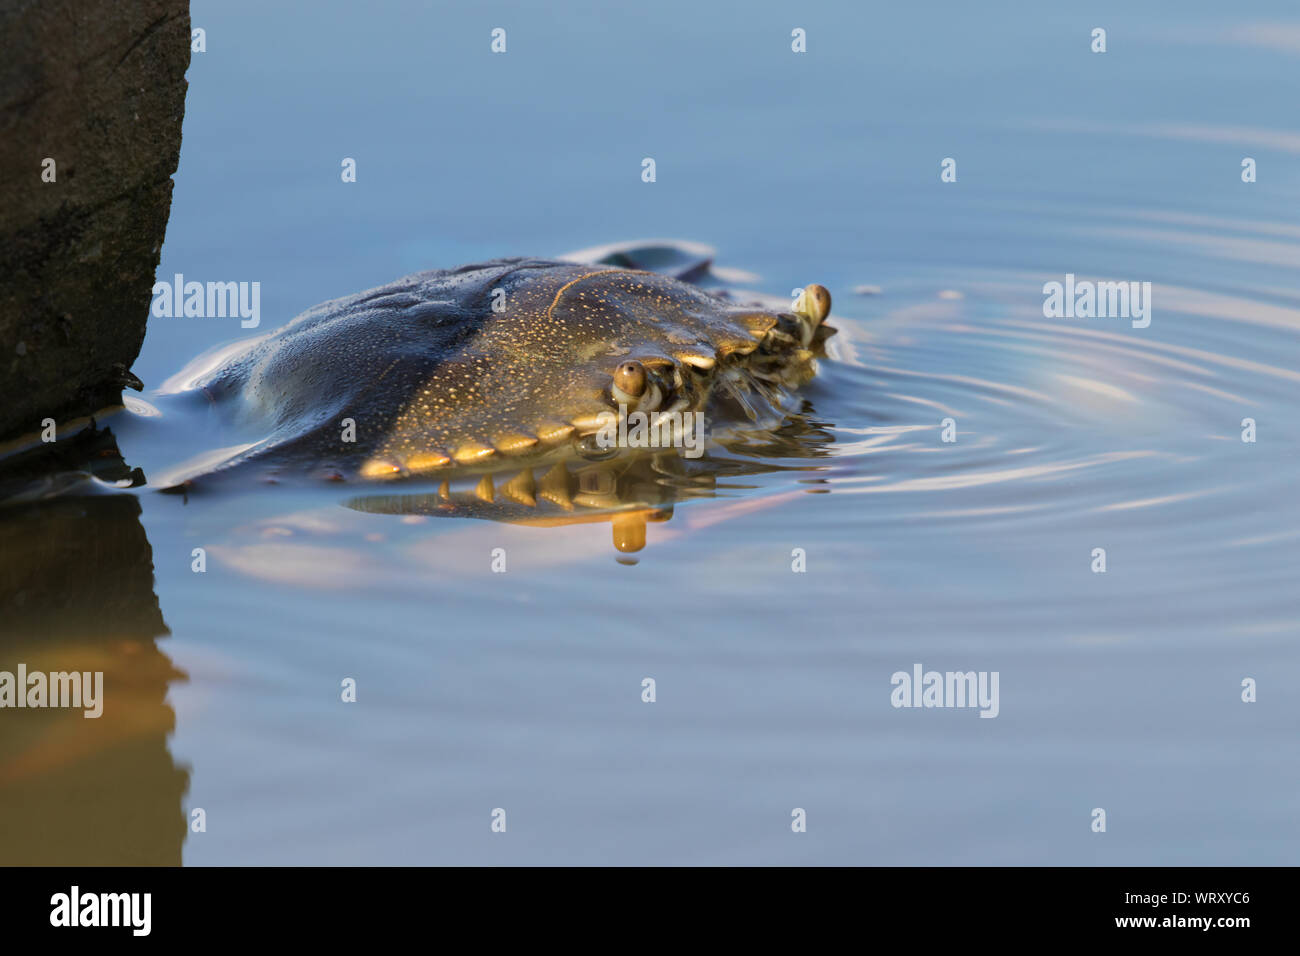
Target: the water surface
(522, 690)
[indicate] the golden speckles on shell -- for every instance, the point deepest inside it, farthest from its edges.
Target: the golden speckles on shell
(449, 383)
(758, 324)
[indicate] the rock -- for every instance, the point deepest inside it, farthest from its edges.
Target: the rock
(97, 86)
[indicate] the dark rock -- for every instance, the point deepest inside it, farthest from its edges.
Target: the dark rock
(99, 87)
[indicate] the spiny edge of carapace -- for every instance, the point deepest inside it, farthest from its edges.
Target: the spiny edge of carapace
(585, 485)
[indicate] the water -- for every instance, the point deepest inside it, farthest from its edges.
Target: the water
(522, 690)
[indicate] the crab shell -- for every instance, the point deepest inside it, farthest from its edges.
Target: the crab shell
(504, 360)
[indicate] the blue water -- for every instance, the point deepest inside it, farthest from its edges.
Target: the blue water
(477, 690)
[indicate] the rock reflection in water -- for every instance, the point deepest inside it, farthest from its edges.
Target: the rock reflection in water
(76, 594)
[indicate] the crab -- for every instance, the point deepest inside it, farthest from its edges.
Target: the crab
(512, 363)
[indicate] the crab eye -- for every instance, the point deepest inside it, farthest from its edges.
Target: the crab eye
(814, 303)
(630, 379)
